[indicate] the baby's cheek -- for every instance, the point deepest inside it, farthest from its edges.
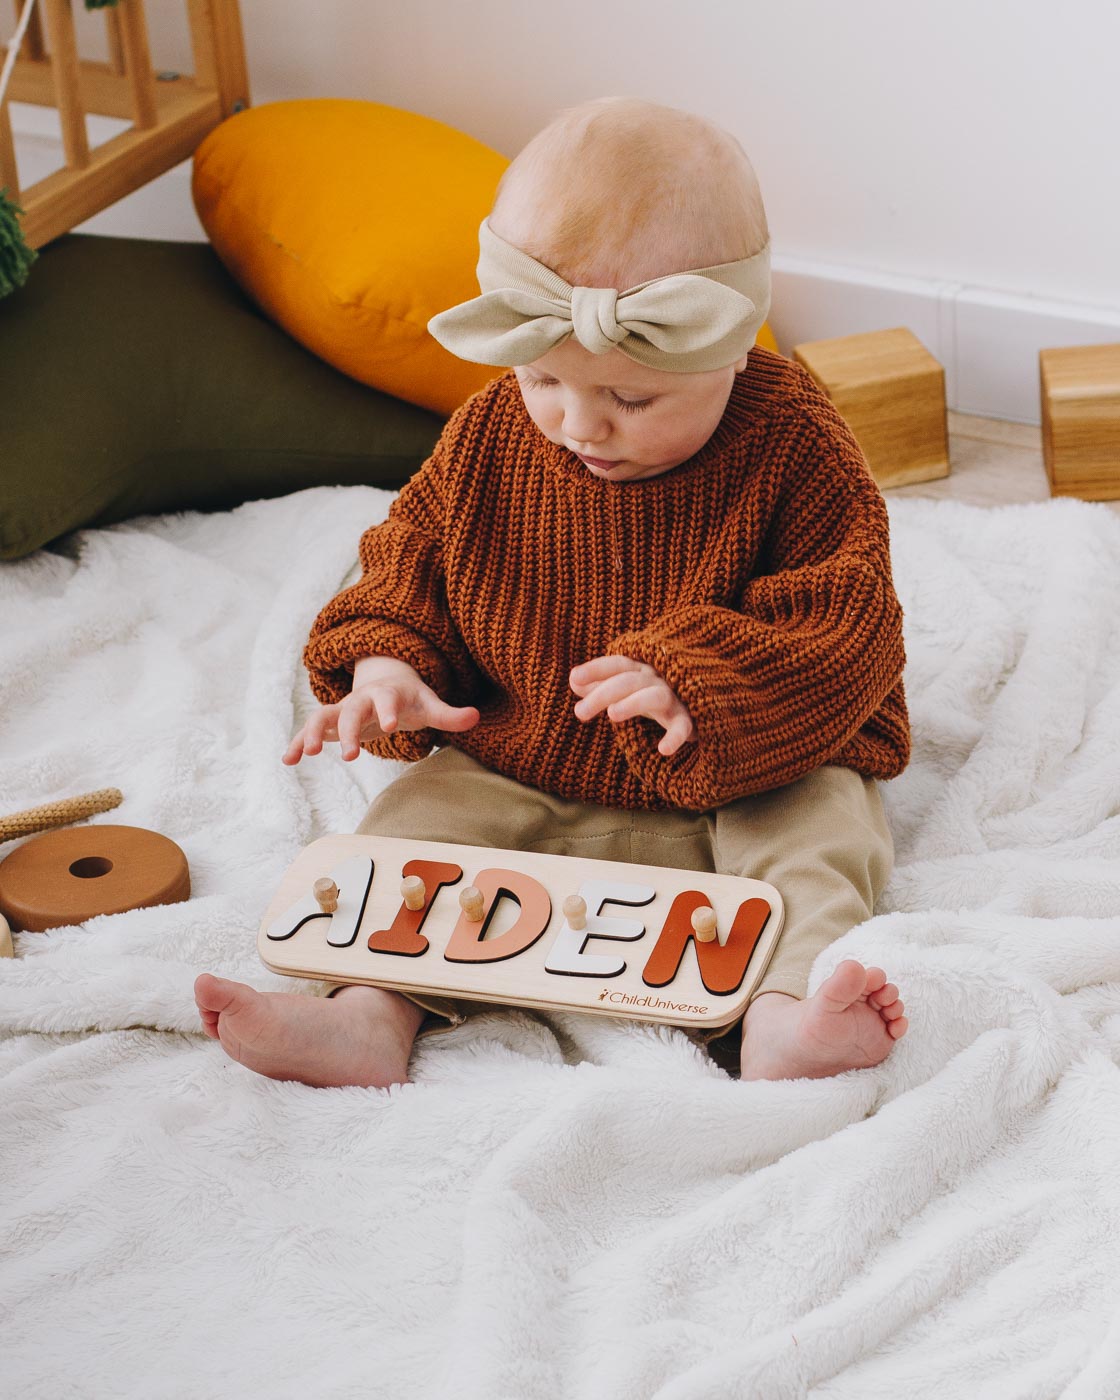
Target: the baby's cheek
(546, 422)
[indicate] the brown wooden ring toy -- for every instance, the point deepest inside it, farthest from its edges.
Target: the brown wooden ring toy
(67, 877)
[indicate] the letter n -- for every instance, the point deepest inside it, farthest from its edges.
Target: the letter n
(722, 966)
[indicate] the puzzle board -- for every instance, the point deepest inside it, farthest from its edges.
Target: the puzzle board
(638, 954)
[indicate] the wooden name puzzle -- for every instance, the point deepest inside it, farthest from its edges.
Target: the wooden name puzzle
(555, 932)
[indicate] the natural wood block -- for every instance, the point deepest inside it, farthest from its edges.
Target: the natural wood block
(890, 391)
(1080, 390)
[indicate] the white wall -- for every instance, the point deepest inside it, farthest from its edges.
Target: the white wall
(962, 153)
(964, 140)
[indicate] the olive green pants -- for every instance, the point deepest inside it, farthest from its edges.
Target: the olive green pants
(822, 842)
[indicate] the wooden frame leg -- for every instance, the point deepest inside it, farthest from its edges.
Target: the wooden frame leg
(138, 62)
(67, 82)
(33, 46)
(219, 51)
(9, 174)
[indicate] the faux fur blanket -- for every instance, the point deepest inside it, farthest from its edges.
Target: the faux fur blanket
(561, 1206)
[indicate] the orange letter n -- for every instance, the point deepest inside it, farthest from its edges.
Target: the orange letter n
(722, 966)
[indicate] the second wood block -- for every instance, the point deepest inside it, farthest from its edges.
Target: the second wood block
(890, 391)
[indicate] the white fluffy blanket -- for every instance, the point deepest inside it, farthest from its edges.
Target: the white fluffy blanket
(563, 1207)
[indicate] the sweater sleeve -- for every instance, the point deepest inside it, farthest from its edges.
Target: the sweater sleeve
(779, 684)
(397, 608)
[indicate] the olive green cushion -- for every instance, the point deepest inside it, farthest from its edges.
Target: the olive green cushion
(136, 378)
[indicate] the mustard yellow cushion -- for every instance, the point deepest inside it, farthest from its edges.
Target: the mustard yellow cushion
(351, 224)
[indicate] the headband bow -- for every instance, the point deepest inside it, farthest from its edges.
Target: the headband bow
(688, 322)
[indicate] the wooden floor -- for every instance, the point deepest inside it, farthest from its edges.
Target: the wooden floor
(992, 464)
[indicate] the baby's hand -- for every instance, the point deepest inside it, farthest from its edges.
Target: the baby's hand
(388, 695)
(625, 689)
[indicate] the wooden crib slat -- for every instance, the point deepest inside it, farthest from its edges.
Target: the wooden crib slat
(138, 62)
(33, 46)
(9, 175)
(113, 34)
(64, 66)
(219, 51)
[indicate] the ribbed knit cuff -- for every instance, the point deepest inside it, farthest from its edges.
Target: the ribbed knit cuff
(331, 656)
(407, 746)
(713, 769)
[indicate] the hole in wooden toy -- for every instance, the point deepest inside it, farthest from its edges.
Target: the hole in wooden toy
(90, 867)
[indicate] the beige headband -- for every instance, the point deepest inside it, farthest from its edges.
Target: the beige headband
(689, 322)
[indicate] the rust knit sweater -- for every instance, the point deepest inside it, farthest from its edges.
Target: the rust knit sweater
(755, 578)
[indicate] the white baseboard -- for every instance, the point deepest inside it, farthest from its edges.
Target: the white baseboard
(987, 341)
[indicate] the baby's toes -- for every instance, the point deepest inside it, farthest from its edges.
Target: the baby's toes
(892, 1012)
(876, 977)
(884, 996)
(897, 1029)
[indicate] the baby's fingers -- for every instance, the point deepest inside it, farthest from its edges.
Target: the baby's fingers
(451, 719)
(310, 738)
(321, 725)
(589, 673)
(608, 692)
(679, 732)
(354, 715)
(656, 702)
(294, 752)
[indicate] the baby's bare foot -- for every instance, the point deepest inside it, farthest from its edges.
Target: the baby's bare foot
(850, 1022)
(360, 1036)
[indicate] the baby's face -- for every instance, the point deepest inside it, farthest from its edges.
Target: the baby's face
(623, 421)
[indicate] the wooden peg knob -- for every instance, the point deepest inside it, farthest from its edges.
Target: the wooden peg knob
(413, 891)
(472, 903)
(575, 911)
(704, 924)
(326, 894)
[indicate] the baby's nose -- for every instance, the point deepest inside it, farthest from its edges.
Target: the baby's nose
(586, 429)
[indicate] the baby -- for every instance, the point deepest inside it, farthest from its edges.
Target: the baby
(639, 596)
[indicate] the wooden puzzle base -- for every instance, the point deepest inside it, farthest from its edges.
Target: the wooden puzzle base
(675, 946)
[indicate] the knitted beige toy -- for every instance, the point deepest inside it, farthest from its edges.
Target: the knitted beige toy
(69, 809)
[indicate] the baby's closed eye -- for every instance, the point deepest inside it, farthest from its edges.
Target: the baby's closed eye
(628, 405)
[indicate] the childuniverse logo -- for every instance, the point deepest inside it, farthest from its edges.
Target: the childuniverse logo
(653, 1003)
